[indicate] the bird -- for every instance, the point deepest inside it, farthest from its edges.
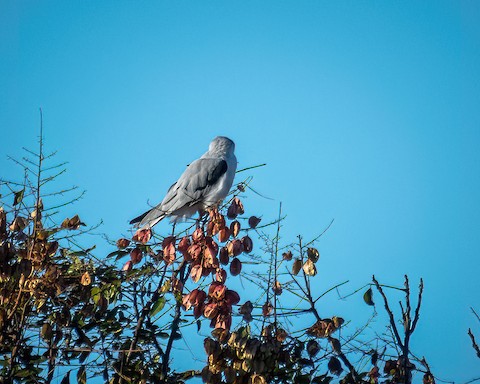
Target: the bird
(203, 185)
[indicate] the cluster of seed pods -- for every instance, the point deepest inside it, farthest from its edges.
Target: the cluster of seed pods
(210, 250)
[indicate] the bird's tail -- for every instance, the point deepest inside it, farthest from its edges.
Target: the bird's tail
(148, 219)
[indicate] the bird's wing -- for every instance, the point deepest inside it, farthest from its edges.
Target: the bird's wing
(190, 189)
(194, 184)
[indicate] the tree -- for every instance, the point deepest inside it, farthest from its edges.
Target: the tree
(66, 313)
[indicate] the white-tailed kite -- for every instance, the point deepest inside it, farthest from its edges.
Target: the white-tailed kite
(205, 183)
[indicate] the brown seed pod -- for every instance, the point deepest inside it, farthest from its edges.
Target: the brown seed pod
(235, 228)
(210, 310)
(198, 235)
(123, 243)
(313, 254)
(253, 221)
(235, 267)
(247, 244)
(224, 258)
(217, 290)
(183, 244)
(287, 255)
(127, 266)
(136, 255)
(221, 275)
(223, 234)
(297, 265)
(232, 297)
(235, 247)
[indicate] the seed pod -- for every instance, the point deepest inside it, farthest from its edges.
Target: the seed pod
(183, 244)
(232, 297)
(224, 258)
(253, 221)
(309, 268)
(198, 235)
(297, 265)
(127, 266)
(136, 255)
(123, 243)
(235, 267)
(235, 228)
(223, 234)
(221, 274)
(235, 247)
(247, 244)
(312, 254)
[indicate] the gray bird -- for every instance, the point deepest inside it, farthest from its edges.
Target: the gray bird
(204, 184)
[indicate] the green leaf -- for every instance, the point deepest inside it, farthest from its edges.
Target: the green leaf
(367, 297)
(158, 306)
(82, 375)
(163, 335)
(18, 197)
(176, 335)
(119, 254)
(82, 252)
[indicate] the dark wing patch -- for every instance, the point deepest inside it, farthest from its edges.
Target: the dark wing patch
(214, 175)
(139, 218)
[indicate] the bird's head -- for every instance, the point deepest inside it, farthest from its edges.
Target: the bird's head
(222, 145)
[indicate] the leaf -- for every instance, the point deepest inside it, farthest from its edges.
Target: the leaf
(119, 254)
(158, 306)
(367, 297)
(18, 197)
(82, 375)
(176, 335)
(46, 331)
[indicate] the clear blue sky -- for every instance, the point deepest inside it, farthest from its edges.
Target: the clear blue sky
(366, 112)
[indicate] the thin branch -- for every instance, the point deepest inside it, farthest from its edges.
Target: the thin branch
(474, 343)
(390, 313)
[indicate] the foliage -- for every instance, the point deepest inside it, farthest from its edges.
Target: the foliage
(65, 313)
